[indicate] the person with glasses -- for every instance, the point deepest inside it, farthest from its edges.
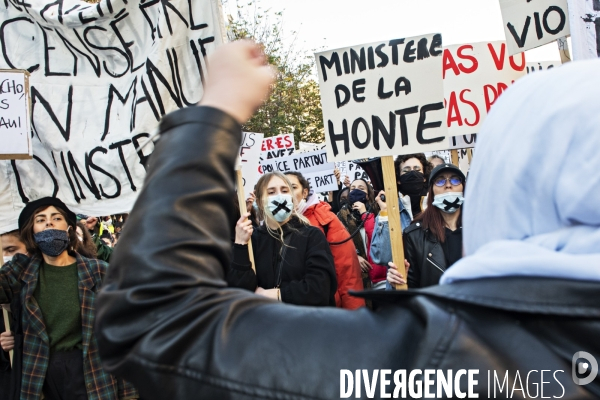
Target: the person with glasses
(433, 242)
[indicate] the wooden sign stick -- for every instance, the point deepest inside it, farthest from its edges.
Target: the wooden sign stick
(454, 157)
(7, 326)
(391, 199)
(5, 314)
(239, 181)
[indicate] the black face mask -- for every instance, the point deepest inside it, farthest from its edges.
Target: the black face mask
(412, 183)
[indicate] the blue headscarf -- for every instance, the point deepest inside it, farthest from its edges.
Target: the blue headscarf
(533, 198)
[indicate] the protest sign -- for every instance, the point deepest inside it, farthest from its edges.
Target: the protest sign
(475, 74)
(15, 109)
(322, 181)
(312, 164)
(542, 66)
(250, 160)
(462, 142)
(585, 28)
(278, 146)
(529, 24)
(383, 98)
(351, 170)
(304, 147)
(102, 76)
(445, 154)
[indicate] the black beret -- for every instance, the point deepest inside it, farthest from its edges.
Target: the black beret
(45, 201)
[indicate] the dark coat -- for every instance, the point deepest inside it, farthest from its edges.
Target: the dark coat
(425, 255)
(307, 272)
(167, 321)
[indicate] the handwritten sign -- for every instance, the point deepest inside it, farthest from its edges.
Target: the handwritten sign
(542, 66)
(277, 146)
(102, 77)
(383, 98)
(14, 115)
(250, 160)
(312, 164)
(529, 24)
(475, 75)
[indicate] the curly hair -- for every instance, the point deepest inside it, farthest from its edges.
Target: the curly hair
(419, 156)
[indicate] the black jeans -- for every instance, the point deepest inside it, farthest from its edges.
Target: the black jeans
(64, 378)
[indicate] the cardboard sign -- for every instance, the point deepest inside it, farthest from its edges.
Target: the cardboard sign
(15, 109)
(312, 165)
(383, 98)
(542, 66)
(351, 170)
(102, 77)
(533, 23)
(277, 146)
(585, 28)
(322, 181)
(475, 74)
(462, 142)
(305, 147)
(250, 160)
(445, 154)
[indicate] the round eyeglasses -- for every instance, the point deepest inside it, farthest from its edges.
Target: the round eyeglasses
(454, 181)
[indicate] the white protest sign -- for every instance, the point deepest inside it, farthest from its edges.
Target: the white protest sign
(383, 98)
(462, 142)
(278, 146)
(304, 147)
(102, 77)
(15, 108)
(250, 160)
(475, 74)
(585, 28)
(533, 23)
(542, 66)
(323, 181)
(351, 170)
(445, 154)
(312, 164)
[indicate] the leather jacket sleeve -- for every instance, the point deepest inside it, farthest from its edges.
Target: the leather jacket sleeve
(166, 320)
(241, 275)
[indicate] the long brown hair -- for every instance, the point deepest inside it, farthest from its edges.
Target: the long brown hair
(431, 218)
(27, 233)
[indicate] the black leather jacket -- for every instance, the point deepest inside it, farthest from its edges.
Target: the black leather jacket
(426, 256)
(167, 322)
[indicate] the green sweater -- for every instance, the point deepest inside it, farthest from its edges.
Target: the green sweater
(57, 294)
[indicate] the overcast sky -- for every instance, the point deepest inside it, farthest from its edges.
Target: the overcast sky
(330, 24)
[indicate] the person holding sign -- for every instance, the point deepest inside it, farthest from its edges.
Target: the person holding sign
(345, 259)
(292, 258)
(433, 242)
(57, 287)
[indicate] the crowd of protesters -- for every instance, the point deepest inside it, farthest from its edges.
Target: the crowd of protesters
(306, 251)
(289, 246)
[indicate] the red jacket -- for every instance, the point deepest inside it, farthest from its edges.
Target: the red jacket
(347, 269)
(378, 273)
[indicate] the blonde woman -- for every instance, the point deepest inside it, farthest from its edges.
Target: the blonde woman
(292, 258)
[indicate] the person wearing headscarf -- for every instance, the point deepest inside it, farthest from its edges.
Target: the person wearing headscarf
(522, 305)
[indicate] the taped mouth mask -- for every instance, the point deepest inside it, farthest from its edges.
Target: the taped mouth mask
(281, 206)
